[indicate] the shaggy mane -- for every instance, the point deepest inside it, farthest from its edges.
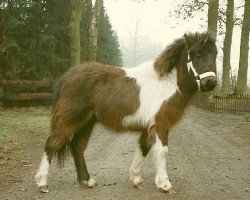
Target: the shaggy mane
(172, 56)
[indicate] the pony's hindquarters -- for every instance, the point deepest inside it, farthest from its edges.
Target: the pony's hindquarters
(70, 125)
(72, 119)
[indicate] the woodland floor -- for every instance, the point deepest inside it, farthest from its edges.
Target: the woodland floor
(209, 158)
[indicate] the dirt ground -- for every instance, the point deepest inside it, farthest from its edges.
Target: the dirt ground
(209, 158)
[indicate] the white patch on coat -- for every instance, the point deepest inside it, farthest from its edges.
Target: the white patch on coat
(160, 155)
(42, 174)
(153, 91)
(135, 168)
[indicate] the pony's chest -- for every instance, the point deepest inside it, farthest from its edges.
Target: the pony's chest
(152, 95)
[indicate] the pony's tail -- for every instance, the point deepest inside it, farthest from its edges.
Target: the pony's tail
(58, 143)
(67, 120)
(63, 153)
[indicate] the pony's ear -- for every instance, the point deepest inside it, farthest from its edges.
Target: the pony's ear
(209, 39)
(169, 58)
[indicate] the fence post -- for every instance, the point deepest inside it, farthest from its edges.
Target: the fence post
(1, 90)
(1, 93)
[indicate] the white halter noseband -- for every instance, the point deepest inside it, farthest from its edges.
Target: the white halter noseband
(198, 76)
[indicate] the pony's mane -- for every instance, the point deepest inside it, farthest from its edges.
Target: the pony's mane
(172, 56)
(195, 38)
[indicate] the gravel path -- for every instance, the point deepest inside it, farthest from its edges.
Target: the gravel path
(209, 159)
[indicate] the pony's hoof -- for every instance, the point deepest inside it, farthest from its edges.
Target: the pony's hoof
(172, 191)
(139, 186)
(90, 183)
(44, 189)
(166, 189)
(137, 181)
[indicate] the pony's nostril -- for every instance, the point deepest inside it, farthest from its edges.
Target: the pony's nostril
(211, 83)
(208, 84)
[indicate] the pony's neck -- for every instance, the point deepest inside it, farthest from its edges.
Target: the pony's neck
(175, 56)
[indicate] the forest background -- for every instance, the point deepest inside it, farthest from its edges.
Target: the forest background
(40, 39)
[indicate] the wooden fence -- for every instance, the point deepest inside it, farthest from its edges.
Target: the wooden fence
(237, 104)
(27, 92)
(21, 92)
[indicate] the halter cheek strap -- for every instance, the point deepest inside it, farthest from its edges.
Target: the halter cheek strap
(198, 76)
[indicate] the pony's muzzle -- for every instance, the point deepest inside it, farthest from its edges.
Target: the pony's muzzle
(208, 83)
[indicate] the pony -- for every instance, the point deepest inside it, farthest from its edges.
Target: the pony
(149, 99)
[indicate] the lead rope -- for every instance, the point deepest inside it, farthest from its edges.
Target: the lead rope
(198, 76)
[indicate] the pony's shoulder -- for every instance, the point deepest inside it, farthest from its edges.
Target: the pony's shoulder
(145, 70)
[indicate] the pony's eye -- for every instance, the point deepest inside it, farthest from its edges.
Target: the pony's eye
(192, 54)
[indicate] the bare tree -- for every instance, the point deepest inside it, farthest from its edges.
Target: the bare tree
(138, 48)
(136, 40)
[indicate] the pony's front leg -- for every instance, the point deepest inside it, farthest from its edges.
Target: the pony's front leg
(135, 169)
(160, 154)
(145, 143)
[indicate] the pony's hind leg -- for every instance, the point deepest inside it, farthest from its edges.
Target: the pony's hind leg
(145, 144)
(50, 149)
(54, 144)
(78, 145)
(63, 127)
(135, 169)
(42, 174)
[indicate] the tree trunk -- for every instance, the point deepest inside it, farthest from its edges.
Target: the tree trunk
(213, 6)
(227, 48)
(93, 30)
(74, 32)
(244, 48)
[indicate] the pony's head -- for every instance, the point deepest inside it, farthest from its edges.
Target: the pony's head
(202, 51)
(194, 55)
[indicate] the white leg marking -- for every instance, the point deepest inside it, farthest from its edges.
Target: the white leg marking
(160, 154)
(135, 169)
(91, 183)
(42, 174)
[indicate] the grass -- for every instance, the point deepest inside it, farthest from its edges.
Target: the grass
(20, 130)
(22, 124)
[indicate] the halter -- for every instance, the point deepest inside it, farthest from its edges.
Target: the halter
(198, 77)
